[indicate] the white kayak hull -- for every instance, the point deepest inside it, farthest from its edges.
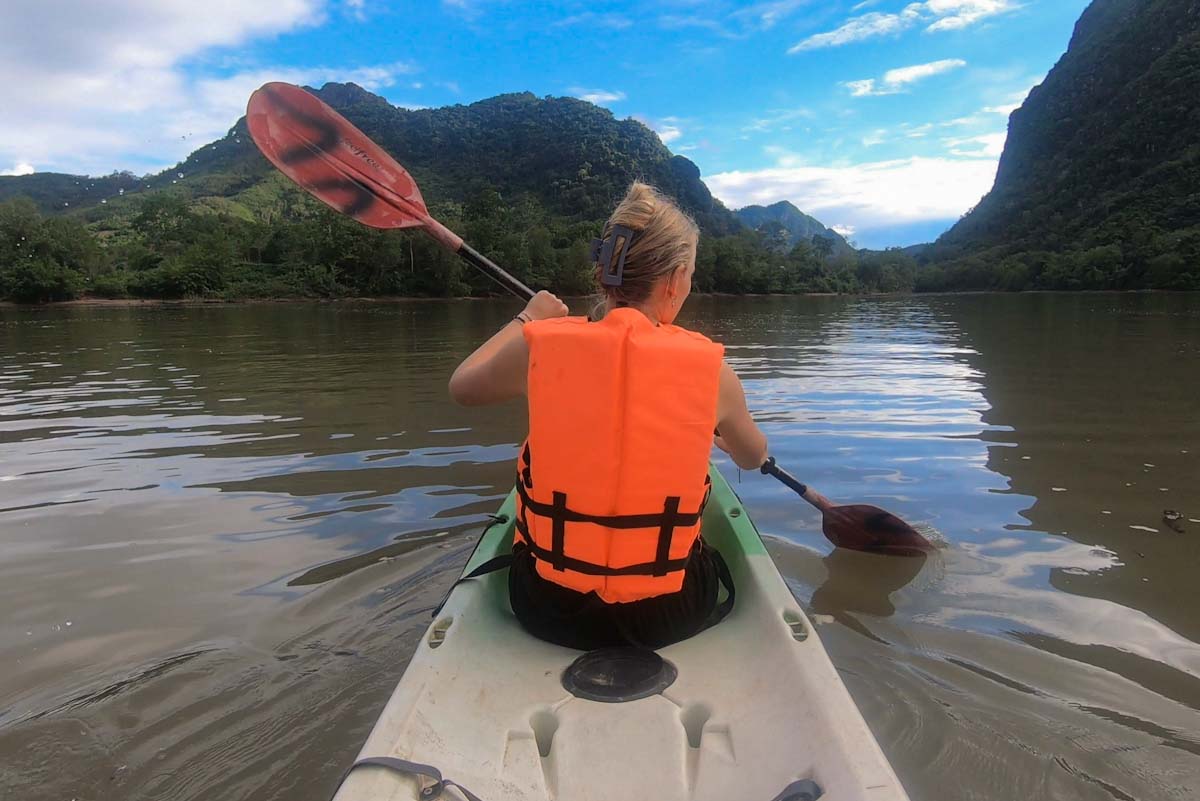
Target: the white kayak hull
(756, 706)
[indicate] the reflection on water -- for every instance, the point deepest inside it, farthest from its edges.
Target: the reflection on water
(222, 530)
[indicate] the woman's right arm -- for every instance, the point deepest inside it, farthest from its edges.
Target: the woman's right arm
(739, 436)
(497, 370)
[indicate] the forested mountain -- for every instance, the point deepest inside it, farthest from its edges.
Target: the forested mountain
(1096, 189)
(526, 180)
(1099, 184)
(784, 226)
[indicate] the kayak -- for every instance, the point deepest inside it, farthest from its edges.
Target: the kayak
(750, 709)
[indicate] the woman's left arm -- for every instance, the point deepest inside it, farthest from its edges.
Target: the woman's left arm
(497, 370)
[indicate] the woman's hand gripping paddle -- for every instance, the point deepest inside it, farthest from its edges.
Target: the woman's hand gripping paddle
(858, 526)
(339, 165)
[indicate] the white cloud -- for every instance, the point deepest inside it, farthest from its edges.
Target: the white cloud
(92, 87)
(868, 195)
(954, 15)
(935, 15)
(846, 231)
(864, 88)
(668, 133)
(597, 96)
(985, 146)
(358, 9)
(894, 81)
(20, 168)
(903, 76)
(868, 26)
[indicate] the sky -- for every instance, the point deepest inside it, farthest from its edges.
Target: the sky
(885, 119)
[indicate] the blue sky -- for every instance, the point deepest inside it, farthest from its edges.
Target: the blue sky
(883, 118)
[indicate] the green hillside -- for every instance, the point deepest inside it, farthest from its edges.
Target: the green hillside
(526, 180)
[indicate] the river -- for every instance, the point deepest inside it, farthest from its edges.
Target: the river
(223, 529)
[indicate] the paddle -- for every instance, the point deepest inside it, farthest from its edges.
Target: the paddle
(339, 165)
(859, 527)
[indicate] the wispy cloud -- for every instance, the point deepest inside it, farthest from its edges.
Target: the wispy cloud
(985, 146)
(678, 22)
(954, 15)
(1011, 104)
(357, 9)
(597, 96)
(667, 128)
(471, 9)
(934, 15)
(876, 137)
(867, 26)
(766, 15)
(776, 118)
(897, 80)
(668, 133)
(592, 19)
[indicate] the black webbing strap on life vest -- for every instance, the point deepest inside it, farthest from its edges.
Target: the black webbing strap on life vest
(558, 531)
(592, 569)
(665, 532)
(559, 514)
(430, 791)
(721, 610)
(490, 566)
(526, 474)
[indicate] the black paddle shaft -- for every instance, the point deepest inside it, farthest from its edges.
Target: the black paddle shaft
(769, 468)
(494, 271)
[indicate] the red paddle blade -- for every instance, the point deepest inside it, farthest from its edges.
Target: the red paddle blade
(860, 527)
(332, 160)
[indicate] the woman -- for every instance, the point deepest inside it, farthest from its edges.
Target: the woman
(614, 475)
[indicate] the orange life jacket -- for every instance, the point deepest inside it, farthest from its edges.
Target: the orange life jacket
(613, 479)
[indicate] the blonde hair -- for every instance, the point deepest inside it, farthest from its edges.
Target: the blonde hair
(664, 238)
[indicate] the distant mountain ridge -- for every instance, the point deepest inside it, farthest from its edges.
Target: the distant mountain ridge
(798, 226)
(1097, 185)
(527, 181)
(576, 158)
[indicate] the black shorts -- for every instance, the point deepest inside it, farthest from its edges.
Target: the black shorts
(585, 621)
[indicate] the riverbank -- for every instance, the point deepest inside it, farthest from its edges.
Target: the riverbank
(122, 302)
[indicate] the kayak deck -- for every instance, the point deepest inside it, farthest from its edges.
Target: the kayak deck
(756, 706)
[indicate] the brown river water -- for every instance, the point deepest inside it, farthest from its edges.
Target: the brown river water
(223, 530)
